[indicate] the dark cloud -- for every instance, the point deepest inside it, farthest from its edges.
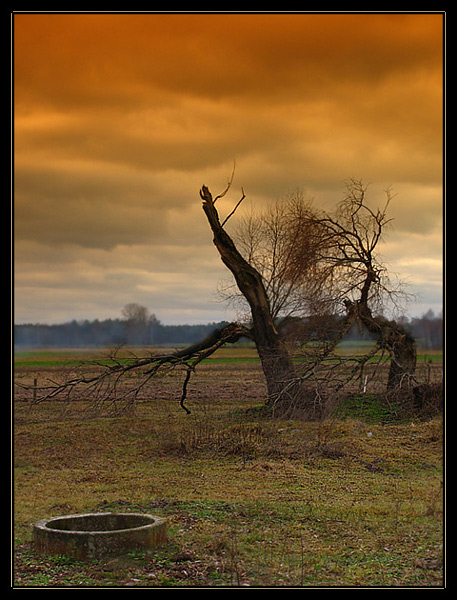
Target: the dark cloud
(119, 120)
(217, 56)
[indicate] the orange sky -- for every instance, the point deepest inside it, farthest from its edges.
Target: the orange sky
(120, 118)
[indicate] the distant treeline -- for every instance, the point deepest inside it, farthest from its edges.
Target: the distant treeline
(110, 332)
(427, 330)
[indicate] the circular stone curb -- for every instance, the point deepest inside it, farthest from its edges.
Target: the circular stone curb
(95, 535)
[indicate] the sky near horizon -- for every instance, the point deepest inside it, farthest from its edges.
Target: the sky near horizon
(119, 119)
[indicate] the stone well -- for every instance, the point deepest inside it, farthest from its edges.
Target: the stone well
(95, 535)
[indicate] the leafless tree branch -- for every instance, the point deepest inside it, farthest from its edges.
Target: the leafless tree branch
(104, 387)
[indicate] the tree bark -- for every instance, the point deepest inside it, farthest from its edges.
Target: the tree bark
(282, 382)
(393, 338)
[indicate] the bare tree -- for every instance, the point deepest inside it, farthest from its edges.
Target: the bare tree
(280, 376)
(284, 243)
(355, 276)
(137, 318)
(314, 260)
(314, 263)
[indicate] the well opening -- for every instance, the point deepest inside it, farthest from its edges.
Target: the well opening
(100, 522)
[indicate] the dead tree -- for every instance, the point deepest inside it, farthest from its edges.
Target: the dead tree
(332, 258)
(282, 383)
(360, 280)
(318, 264)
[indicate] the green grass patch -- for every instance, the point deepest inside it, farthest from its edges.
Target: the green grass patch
(371, 408)
(52, 358)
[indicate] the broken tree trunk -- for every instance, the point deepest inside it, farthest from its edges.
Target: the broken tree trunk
(283, 386)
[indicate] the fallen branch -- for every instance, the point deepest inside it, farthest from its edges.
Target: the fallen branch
(103, 388)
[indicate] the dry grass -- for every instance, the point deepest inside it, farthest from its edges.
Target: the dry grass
(250, 500)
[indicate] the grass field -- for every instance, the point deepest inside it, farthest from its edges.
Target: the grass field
(48, 357)
(250, 500)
